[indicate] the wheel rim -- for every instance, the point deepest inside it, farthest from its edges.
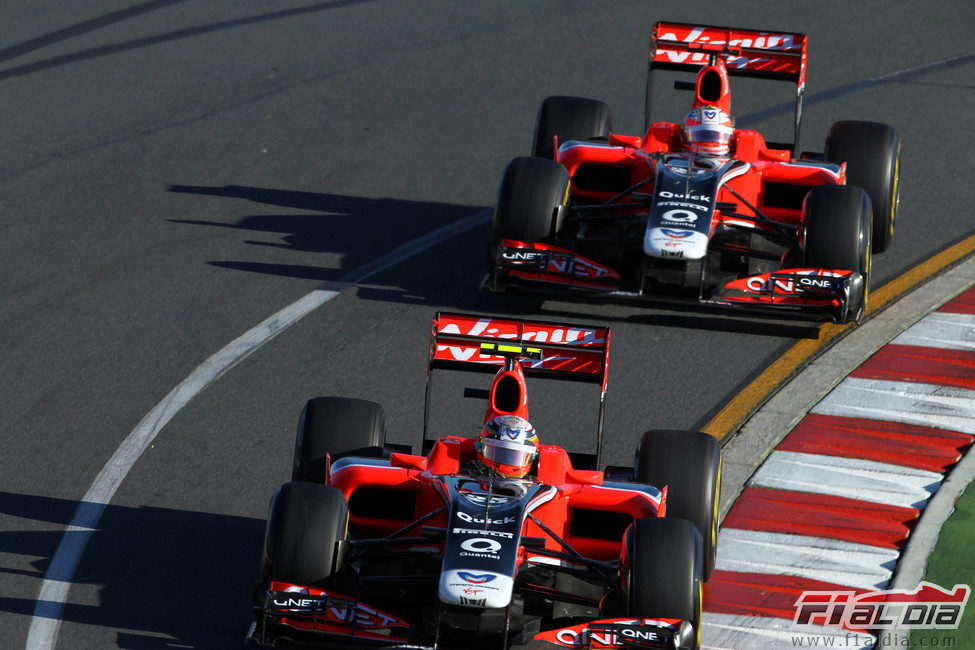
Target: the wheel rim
(894, 194)
(700, 608)
(714, 517)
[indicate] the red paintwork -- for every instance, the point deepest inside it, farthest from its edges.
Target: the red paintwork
(578, 489)
(783, 53)
(735, 51)
(588, 354)
(767, 166)
(763, 291)
(369, 623)
(888, 442)
(819, 515)
(578, 636)
(940, 366)
(963, 304)
(761, 594)
(724, 100)
(581, 272)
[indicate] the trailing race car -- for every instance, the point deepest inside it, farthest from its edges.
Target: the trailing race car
(497, 541)
(699, 210)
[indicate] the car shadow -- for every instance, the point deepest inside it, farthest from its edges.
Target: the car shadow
(447, 276)
(167, 577)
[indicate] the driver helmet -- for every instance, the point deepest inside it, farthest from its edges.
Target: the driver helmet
(508, 445)
(707, 130)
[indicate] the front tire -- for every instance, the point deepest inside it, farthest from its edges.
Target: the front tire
(532, 189)
(569, 118)
(689, 463)
(338, 426)
(838, 222)
(871, 151)
(662, 567)
(305, 523)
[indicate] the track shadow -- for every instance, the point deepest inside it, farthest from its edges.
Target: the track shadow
(447, 276)
(357, 228)
(168, 578)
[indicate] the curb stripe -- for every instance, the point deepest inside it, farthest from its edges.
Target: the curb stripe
(819, 558)
(735, 412)
(899, 401)
(760, 594)
(727, 631)
(851, 478)
(820, 515)
(963, 304)
(941, 329)
(838, 498)
(926, 365)
(925, 448)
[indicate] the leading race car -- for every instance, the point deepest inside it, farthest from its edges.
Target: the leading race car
(699, 210)
(498, 541)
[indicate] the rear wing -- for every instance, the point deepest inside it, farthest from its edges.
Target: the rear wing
(747, 52)
(554, 350)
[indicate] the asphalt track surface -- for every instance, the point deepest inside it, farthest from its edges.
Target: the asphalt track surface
(174, 172)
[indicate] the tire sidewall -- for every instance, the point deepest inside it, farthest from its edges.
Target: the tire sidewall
(689, 464)
(304, 525)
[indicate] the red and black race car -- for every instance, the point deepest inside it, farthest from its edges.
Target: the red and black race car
(370, 544)
(699, 210)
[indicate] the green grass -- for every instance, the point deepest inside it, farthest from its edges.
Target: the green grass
(953, 562)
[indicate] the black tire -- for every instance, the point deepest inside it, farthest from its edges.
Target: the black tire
(871, 151)
(689, 463)
(838, 222)
(304, 525)
(663, 571)
(339, 426)
(532, 189)
(569, 118)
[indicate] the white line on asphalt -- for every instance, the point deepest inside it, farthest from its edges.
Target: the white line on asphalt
(46, 620)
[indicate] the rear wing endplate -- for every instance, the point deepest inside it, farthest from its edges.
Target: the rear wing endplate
(554, 350)
(755, 53)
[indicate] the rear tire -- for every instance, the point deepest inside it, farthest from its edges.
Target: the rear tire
(304, 525)
(838, 222)
(689, 463)
(338, 426)
(532, 190)
(871, 151)
(569, 118)
(663, 567)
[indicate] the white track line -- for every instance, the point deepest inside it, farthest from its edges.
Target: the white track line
(46, 620)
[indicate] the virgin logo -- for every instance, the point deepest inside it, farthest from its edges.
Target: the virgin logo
(508, 330)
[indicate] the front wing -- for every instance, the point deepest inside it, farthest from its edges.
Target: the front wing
(836, 293)
(318, 617)
(618, 633)
(321, 617)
